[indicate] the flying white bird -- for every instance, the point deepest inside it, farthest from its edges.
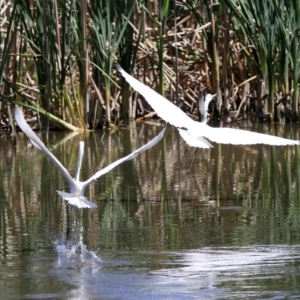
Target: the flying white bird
(77, 188)
(195, 133)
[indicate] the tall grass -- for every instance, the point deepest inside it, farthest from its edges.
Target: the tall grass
(58, 57)
(270, 28)
(108, 26)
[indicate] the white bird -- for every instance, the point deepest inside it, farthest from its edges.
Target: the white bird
(195, 133)
(77, 188)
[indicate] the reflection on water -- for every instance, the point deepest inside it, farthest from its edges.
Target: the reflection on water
(227, 230)
(254, 272)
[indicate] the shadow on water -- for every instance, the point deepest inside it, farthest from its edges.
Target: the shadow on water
(227, 230)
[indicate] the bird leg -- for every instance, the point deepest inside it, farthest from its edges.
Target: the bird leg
(69, 218)
(71, 234)
(181, 161)
(190, 167)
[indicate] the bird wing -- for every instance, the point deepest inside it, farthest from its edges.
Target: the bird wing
(194, 141)
(36, 142)
(77, 200)
(234, 136)
(126, 158)
(163, 107)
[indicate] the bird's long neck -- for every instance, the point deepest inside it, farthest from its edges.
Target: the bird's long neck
(79, 162)
(208, 98)
(205, 112)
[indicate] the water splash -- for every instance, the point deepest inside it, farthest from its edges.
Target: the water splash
(72, 254)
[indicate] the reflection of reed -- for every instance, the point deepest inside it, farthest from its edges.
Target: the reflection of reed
(251, 177)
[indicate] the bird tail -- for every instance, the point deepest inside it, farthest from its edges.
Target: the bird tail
(78, 201)
(198, 141)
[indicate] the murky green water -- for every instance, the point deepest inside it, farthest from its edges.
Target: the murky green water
(227, 230)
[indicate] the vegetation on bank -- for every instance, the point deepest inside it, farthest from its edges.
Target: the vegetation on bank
(57, 57)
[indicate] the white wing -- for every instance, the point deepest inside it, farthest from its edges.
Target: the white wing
(36, 142)
(234, 136)
(163, 107)
(126, 158)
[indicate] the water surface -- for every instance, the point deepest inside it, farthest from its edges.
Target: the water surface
(229, 229)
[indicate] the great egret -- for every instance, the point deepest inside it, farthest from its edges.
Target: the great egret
(77, 188)
(195, 133)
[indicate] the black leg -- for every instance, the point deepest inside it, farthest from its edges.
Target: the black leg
(69, 221)
(190, 167)
(181, 161)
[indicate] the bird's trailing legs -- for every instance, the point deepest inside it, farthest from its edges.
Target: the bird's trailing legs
(190, 167)
(181, 161)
